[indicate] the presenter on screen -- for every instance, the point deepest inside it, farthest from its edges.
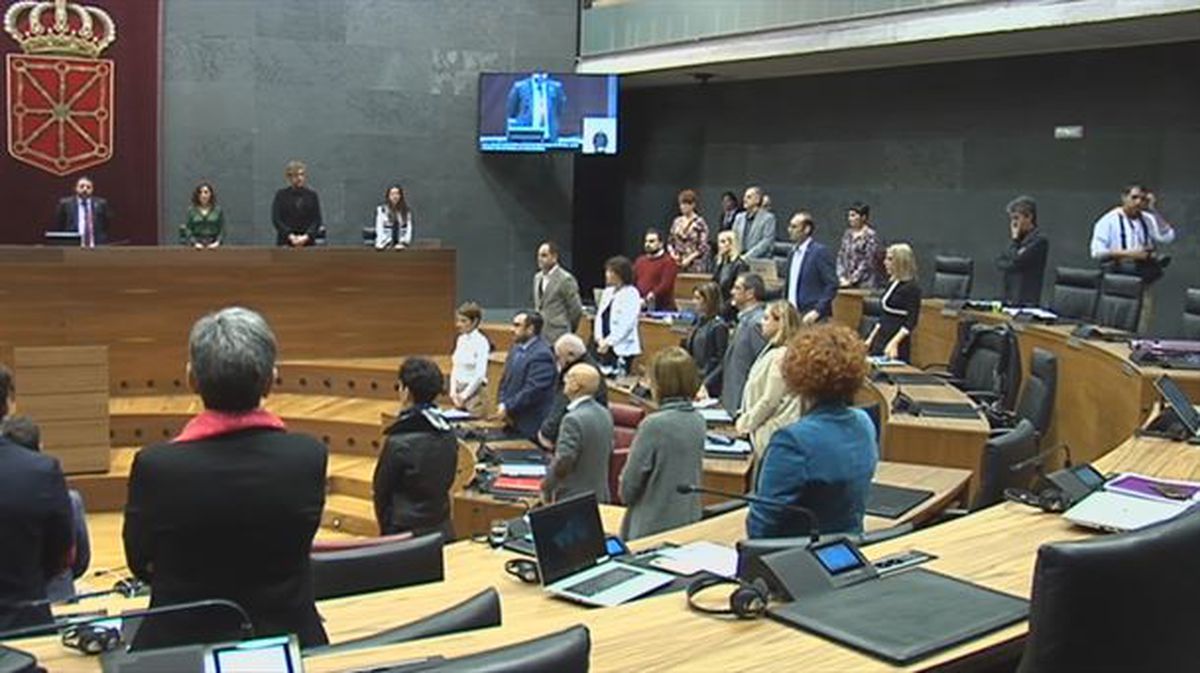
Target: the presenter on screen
(296, 210)
(85, 214)
(393, 221)
(534, 106)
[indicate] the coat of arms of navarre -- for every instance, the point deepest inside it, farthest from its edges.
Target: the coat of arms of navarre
(60, 93)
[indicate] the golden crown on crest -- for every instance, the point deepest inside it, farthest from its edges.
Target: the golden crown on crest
(59, 28)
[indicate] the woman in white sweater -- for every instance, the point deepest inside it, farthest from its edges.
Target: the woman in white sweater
(767, 405)
(393, 221)
(468, 370)
(616, 326)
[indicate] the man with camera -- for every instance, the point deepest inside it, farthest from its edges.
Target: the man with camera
(1125, 240)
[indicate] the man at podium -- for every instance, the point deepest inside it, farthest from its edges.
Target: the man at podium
(84, 214)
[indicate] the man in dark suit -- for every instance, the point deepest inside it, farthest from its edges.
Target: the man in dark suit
(569, 351)
(812, 281)
(228, 508)
(1023, 264)
(534, 105)
(35, 526)
(85, 214)
(745, 342)
(527, 386)
(585, 442)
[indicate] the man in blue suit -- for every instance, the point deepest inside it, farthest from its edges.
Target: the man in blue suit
(811, 272)
(534, 105)
(527, 386)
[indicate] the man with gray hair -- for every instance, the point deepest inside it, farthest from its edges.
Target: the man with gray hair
(1023, 264)
(569, 351)
(755, 226)
(228, 508)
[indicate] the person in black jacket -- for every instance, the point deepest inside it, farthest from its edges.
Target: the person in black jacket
(900, 306)
(569, 351)
(417, 464)
(729, 265)
(229, 507)
(296, 210)
(1023, 264)
(35, 526)
(708, 341)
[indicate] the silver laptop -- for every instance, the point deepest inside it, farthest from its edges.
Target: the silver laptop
(572, 562)
(1118, 512)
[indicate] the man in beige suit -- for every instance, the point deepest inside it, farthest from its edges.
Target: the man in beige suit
(555, 294)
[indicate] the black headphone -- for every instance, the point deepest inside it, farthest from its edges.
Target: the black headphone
(1050, 500)
(748, 601)
(523, 569)
(91, 638)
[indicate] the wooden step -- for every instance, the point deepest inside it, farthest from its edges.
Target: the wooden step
(351, 475)
(106, 491)
(348, 514)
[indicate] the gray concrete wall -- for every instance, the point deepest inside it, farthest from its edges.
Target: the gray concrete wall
(937, 151)
(367, 92)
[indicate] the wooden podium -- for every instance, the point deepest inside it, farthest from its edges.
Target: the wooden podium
(64, 389)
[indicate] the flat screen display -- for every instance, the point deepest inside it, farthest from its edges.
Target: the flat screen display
(838, 558)
(540, 111)
(264, 655)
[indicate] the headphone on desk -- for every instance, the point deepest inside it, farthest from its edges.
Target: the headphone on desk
(748, 601)
(1049, 500)
(523, 569)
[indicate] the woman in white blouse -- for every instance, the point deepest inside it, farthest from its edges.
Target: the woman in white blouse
(616, 326)
(393, 221)
(468, 372)
(767, 405)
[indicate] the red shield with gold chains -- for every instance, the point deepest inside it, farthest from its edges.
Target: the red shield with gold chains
(60, 116)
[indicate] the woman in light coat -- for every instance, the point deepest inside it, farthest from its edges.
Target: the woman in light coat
(767, 405)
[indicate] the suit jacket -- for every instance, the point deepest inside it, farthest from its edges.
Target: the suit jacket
(553, 422)
(35, 531)
(744, 345)
(1024, 266)
(67, 217)
(667, 450)
(527, 386)
(560, 304)
(707, 344)
(582, 455)
(414, 474)
(231, 516)
(519, 108)
(818, 282)
(758, 237)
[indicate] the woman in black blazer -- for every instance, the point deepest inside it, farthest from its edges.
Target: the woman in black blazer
(708, 341)
(729, 265)
(900, 306)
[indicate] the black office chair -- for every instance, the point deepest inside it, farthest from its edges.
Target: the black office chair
(1117, 603)
(1191, 314)
(872, 308)
(1120, 304)
(388, 566)
(876, 416)
(952, 277)
(1000, 454)
(985, 364)
(477, 612)
(563, 652)
(1036, 403)
(1075, 293)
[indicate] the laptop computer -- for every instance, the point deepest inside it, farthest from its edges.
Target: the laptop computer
(1117, 512)
(572, 560)
(1179, 403)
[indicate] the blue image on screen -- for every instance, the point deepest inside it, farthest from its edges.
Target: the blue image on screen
(838, 558)
(541, 111)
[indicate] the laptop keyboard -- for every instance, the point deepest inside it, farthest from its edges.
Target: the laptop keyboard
(604, 581)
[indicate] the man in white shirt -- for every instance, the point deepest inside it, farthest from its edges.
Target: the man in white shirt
(811, 272)
(85, 214)
(1124, 241)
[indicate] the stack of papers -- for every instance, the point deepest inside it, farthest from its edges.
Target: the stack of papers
(736, 447)
(456, 415)
(697, 557)
(884, 361)
(1035, 313)
(1151, 488)
(522, 470)
(716, 415)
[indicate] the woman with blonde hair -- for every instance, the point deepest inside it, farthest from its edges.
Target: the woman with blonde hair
(767, 404)
(667, 450)
(900, 305)
(729, 265)
(825, 460)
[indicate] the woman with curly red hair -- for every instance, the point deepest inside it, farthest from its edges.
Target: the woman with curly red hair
(825, 460)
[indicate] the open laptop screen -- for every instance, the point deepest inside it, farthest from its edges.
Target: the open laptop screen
(1179, 403)
(567, 536)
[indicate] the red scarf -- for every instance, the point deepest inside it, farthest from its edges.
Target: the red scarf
(209, 424)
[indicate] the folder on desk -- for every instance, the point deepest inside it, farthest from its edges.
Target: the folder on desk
(716, 415)
(517, 484)
(893, 502)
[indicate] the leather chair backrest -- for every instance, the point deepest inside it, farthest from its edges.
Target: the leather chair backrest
(616, 463)
(873, 411)
(952, 277)
(1036, 404)
(1191, 314)
(480, 611)
(565, 651)
(872, 309)
(992, 362)
(999, 455)
(1075, 293)
(398, 564)
(626, 415)
(1117, 602)
(1120, 304)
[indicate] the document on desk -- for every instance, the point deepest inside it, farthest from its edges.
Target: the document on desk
(716, 415)
(706, 403)
(696, 557)
(1170, 491)
(736, 447)
(456, 415)
(522, 470)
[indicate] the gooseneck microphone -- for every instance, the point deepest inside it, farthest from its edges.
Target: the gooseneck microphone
(814, 531)
(1039, 459)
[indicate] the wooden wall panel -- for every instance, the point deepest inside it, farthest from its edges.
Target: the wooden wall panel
(141, 302)
(65, 390)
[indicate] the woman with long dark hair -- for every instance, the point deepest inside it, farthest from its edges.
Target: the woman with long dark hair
(205, 223)
(393, 220)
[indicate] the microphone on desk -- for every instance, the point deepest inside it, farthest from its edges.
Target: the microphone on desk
(91, 637)
(1039, 459)
(814, 532)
